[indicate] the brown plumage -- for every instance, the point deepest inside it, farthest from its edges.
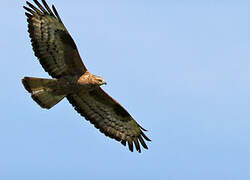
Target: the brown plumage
(58, 54)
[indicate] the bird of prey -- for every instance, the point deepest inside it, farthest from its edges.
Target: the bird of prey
(58, 55)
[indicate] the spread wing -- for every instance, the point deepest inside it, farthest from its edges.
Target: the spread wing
(110, 117)
(52, 43)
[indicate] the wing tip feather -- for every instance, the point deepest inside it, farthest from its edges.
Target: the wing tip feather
(42, 9)
(34, 8)
(48, 8)
(30, 11)
(145, 137)
(137, 145)
(56, 13)
(130, 145)
(28, 15)
(40, 6)
(142, 142)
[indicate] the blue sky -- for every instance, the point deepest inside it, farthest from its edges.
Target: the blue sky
(181, 68)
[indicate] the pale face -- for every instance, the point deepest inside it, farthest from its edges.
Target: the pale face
(98, 80)
(90, 79)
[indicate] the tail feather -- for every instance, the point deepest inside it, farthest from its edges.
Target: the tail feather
(42, 91)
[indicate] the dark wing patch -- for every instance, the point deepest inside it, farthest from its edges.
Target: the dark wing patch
(117, 108)
(120, 111)
(66, 38)
(109, 117)
(52, 43)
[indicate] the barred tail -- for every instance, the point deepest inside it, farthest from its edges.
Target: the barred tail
(43, 91)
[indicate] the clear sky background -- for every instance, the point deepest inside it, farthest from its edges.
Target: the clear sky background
(181, 68)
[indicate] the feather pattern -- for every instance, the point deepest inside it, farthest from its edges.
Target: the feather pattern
(109, 116)
(52, 44)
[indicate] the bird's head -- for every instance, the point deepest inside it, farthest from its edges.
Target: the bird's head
(89, 79)
(99, 80)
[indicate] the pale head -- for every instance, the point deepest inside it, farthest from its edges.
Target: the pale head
(98, 80)
(89, 79)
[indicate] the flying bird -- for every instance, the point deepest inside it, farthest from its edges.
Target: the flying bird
(58, 55)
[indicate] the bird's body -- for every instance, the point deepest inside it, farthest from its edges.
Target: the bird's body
(58, 54)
